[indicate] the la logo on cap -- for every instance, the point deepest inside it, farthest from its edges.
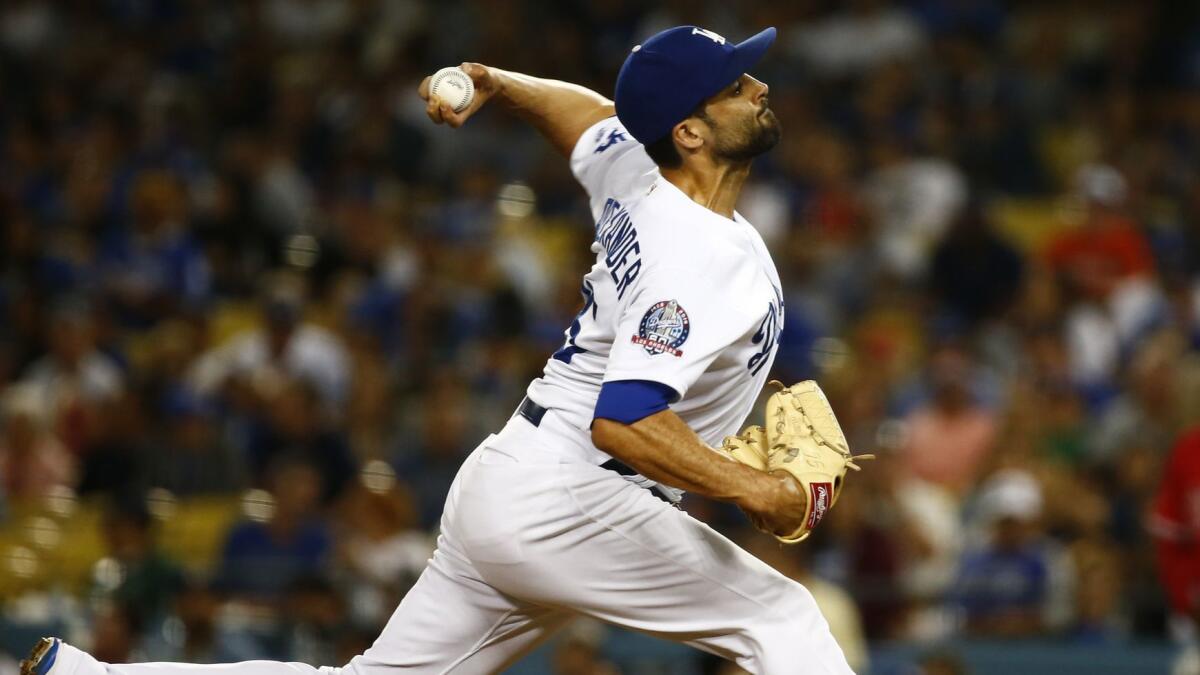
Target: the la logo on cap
(709, 34)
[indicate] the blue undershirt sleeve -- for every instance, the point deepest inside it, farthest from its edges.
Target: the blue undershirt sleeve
(627, 401)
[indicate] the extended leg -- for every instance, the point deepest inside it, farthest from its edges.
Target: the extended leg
(453, 622)
(450, 622)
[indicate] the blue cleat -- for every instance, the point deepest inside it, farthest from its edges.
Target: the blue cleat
(42, 657)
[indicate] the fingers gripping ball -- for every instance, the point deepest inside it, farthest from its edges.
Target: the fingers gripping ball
(454, 87)
(805, 440)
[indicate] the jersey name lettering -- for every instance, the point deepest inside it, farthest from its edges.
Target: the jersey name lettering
(767, 335)
(622, 253)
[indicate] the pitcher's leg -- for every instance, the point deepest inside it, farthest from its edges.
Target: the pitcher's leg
(633, 561)
(60, 658)
(715, 597)
(449, 622)
(243, 668)
(453, 622)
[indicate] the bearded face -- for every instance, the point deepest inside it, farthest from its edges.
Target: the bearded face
(744, 138)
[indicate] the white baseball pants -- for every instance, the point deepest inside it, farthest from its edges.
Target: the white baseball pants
(530, 539)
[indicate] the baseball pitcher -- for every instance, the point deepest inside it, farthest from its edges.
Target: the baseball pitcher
(571, 508)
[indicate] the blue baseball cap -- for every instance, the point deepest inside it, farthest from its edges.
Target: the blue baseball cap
(668, 76)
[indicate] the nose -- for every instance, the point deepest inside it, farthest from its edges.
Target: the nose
(763, 89)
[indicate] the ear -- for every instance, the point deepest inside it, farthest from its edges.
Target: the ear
(690, 134)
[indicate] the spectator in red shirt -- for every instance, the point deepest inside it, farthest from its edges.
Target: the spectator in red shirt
(1175, 525)
(1108, 248)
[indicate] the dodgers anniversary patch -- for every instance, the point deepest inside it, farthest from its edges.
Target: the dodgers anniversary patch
(663, 329)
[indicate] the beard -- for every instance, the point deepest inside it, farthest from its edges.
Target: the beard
(748, 138)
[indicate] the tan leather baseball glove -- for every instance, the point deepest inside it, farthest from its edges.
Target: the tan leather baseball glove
(803, 438)
(749, 448)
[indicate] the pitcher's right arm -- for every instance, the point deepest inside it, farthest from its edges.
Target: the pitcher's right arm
(560, 111)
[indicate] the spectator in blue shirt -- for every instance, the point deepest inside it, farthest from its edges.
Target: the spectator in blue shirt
(155, 267)
(1011, 586)
(263, 557)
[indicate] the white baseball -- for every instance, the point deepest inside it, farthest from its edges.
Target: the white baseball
(453, 86)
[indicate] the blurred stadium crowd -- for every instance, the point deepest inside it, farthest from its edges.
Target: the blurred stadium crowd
(255, 309)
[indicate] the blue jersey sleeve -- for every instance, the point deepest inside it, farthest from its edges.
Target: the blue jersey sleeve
(627, 401)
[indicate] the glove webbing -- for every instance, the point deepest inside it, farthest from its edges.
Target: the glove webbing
(817, 435)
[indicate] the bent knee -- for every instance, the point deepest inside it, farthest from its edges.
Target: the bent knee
(793, 638)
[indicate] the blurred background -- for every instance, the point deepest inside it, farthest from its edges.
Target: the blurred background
(255, 310)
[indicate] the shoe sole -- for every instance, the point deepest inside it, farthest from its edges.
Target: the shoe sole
(30, 665)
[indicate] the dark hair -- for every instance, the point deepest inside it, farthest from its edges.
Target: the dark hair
(664, 154)
(663, 151)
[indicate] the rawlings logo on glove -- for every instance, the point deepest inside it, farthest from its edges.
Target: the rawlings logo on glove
(802, 437)
(820, 503)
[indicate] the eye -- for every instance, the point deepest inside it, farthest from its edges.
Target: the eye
(737, 88)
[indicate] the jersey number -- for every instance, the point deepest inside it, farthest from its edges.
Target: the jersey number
(570, 349)
(615, 136)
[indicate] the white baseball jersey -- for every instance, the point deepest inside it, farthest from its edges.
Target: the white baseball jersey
(534, 533)
(679, 295)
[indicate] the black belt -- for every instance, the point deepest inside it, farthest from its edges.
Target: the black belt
(534, 413)
(531, 411)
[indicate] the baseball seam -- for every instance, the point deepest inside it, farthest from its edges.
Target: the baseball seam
(469, 89)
